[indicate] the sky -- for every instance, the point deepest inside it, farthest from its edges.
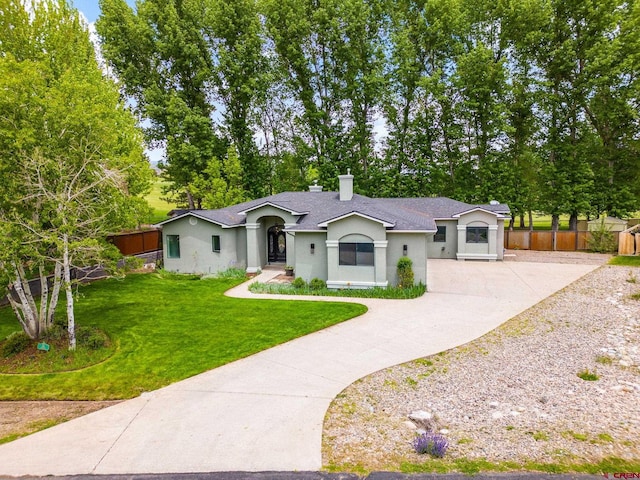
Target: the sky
(91, 9)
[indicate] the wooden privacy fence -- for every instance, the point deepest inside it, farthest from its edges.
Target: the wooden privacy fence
(136, 243)
(629, 243)
(546, 240)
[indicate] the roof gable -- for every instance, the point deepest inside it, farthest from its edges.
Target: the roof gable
(274, 205)
(195, 214)
(356, 214)
(476, 209)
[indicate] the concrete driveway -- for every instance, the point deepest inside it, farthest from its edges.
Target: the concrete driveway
(265, 412)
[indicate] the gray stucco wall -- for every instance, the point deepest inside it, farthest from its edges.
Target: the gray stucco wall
(310, 265)
(196, 252)
(500, 239)
(493, 249)
(417, 244)
(434, 249)
(258, 223)
(356, 229)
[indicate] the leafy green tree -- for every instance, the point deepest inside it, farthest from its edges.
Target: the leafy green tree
(71, 159)
(160, 55)
(610, 104)
(481, 81)
(332, 57)
(422, 155)
(233, 32)
(221, 183)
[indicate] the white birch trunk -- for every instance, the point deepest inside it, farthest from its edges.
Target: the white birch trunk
(44, 301)
(29, 315)
(55, 294)
(17, 309)
(66, 266)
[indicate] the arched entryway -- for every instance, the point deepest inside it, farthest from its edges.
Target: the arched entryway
(276, 244)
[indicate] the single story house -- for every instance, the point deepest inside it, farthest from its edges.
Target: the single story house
(346, 239)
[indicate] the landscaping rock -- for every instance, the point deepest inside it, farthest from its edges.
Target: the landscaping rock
(424, 420)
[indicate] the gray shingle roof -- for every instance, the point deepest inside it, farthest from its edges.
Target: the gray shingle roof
(321, 207)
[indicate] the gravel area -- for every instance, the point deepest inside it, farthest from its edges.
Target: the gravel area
(580, 257)
(514, 394)
(20, 418)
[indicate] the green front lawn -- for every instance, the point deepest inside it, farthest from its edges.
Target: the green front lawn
(167, 328)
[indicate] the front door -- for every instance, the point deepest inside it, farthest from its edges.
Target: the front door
(277, 241)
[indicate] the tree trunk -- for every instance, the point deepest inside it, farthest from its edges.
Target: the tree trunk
(555, 222)
(17, 309)
(522, 220)
(573, 222)
(27, 290)
(530, 220)
(55, 294)
(66, 265)
(512, 220)
(192, 204)
(29, 316)
(44, 300)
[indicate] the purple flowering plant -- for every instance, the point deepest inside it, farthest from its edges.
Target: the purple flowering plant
(432, 443)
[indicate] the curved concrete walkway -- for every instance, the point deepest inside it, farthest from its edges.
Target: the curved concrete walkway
(265, 412)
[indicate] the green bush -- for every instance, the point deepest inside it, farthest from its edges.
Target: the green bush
(405, 272)
(602, 240)
(15, 343)
(90, 337)
(317, 284)
(57, 331)
(298, 283)
(131, 264)
(232, 272)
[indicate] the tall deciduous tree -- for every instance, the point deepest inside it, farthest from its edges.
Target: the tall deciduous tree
(221, 183)
(160, 55)
(233, 32)
(332, 53)
(71, 159)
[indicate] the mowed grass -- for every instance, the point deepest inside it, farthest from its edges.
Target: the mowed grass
(167, 328)
(160, 207)
(627, 261)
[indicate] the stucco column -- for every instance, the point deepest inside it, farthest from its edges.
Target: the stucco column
(291, 245)
(462, 240)
(380, 262)
(332, 259)
(253, 254)
(493, 241)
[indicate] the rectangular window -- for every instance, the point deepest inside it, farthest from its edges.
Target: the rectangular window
(173, 246)
(441, 235)
(477, 235)
(215, 243)
(360, 254)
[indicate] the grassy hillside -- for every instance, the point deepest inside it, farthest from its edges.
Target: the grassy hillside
(160, 207)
